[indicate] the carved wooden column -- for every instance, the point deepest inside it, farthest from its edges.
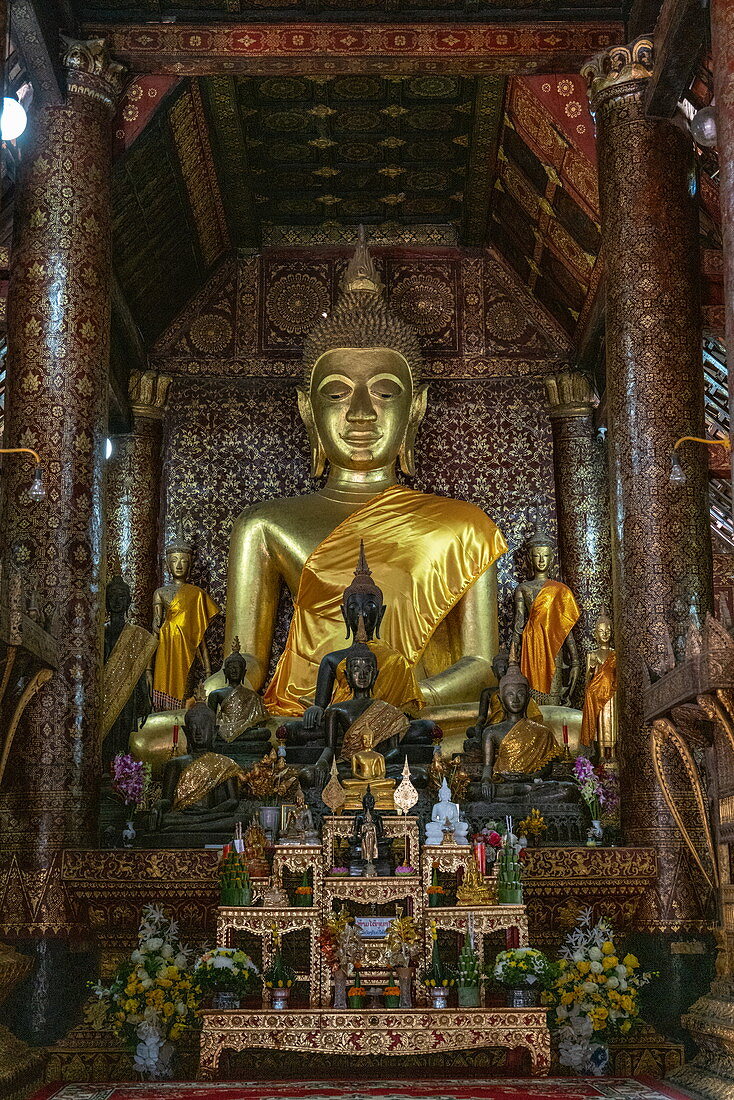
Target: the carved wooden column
(722, 34)
(58, 336)
(582, 499)
(661, 543)
(134, 491)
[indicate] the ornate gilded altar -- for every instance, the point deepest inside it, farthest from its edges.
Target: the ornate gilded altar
(315, 1026)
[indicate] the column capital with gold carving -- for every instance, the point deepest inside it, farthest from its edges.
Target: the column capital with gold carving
(618, 71)
(90, 71)
(570, 393)
(148, 391)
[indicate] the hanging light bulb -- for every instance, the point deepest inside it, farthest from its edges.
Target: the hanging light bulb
(677, 475)
(13, 119)
(37, 490)
(703, 127)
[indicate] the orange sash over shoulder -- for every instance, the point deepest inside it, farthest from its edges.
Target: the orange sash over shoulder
(426, 551)
(601, 689)
(552, 616)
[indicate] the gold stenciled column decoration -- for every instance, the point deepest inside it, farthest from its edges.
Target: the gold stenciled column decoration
(58, 339)
(661, 545)
(582, 499)
(134, 490)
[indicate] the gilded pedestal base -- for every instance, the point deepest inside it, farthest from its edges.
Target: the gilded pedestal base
(711, 1023)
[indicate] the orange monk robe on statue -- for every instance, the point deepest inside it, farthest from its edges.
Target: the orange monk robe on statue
(187, 617)
(553, 614)
(600, 691)
(428, 550)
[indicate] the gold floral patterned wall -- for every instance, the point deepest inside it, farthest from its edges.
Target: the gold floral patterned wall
(233, 443)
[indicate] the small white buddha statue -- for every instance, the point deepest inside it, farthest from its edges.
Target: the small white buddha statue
(446, 811)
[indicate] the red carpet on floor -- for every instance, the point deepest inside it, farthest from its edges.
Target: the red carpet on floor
(611, 1088)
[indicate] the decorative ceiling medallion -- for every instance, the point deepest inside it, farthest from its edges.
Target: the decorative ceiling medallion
(294, 303)
(210, 333)
(433, 87)
(424, 302)
(504, 321)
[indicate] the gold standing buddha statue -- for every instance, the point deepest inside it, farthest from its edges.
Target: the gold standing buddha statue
(362, 401)
(599, 721)
(181, 614)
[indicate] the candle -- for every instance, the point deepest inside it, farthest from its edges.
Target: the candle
(565, 735)
(175, 736)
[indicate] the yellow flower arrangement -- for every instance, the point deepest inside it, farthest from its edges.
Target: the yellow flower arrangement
(151, 998)
(594, 993)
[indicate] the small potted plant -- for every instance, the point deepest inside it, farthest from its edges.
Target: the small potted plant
(278, 977)
(226, 975)
(438, 978)
(356, 995)
(436, 892)
(523, 971)
(533, 826)
(468, 975)
(304, 892)
(391, 993)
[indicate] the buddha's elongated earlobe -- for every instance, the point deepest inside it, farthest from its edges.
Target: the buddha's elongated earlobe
(417, 412)
(318, 457)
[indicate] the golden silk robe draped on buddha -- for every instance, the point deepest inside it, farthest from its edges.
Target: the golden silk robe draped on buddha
(203, 775)
(526, 749)
(553, 614)
(182, 632)
(601, 689)
(427, 551)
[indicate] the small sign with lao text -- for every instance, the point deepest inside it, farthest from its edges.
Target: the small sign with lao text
(373, 928)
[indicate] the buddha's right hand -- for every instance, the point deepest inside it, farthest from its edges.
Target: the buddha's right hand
(487, 790)
(313, 717)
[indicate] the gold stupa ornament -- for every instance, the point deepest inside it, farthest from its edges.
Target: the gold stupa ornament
(333, 795)
(405, 796)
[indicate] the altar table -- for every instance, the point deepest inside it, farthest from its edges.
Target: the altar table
(374, 1031)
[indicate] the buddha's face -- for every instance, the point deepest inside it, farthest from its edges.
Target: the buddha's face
(235, 669)
(515, 697)
(361, 673)
(541, 558)
(361, 401)
(200, 727)
(603, 632)
(369, 607)
(117, 599)
(179, 563)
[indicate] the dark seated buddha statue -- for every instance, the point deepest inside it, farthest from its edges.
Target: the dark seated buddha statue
(200, 790)
(345, 723)
(520, 750)
(241, 714)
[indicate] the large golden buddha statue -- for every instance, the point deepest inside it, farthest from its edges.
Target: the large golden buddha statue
(362, 401)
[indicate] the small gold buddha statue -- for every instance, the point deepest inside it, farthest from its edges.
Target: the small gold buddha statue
(181, 614)
(599, 721)
(369, 770)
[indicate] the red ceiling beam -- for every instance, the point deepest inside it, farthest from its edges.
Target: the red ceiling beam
(325, 48)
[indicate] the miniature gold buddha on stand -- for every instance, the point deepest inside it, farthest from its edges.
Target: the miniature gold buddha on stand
(369, 772)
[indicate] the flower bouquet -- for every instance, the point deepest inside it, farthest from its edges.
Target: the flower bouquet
(279, 976)
(438, 978)
(402, 944)
(522, 970)
(152, 997)
(304, 892)
(594, 995)
(593, 794)
(436, 892)
(341, 945)
(355, 996)
(225, 974)
(391, 994)
(130, 782)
